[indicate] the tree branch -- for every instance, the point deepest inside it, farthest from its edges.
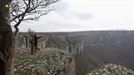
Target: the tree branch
(23, 10)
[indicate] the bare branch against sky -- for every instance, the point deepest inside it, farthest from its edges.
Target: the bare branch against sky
(81, 15)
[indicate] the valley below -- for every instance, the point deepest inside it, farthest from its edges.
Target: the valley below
(90, 49)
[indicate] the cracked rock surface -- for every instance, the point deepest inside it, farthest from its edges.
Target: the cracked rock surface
(112, 69)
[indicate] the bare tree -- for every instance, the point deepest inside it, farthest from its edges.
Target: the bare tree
(6, 39)
(20, 10)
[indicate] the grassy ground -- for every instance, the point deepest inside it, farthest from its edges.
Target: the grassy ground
(45, 62)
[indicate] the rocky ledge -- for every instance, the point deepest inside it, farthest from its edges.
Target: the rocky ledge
(112, 69)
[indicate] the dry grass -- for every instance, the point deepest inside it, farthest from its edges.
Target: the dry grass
(45, 62)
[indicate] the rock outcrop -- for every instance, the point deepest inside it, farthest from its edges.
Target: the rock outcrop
(112, 69)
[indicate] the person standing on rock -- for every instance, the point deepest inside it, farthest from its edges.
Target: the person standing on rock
(36, 38)
(32, 44)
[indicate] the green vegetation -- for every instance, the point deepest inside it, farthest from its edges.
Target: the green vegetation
(44, 62)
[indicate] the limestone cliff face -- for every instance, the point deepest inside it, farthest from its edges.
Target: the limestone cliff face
(22, 41)
(94, 48)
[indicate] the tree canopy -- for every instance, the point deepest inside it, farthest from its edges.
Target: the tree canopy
(22, 10)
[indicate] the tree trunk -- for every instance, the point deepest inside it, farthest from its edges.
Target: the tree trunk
(6, 39)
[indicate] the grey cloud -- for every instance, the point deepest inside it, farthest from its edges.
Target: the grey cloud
(60, 6)
(63, 25)
(84, 16)
(49, 26)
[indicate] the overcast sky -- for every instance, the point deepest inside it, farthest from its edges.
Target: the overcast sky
(83, 15)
